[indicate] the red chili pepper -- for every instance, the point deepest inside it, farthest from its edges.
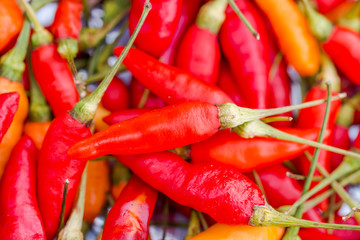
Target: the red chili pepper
(116, 96)
(325, 6)
(169, 82)
(240, 46)
(55, 78)
(189, 9)
(248, 154)
(227, 84)
(9, 103)
(340, 139)
(55, 167)
(346, 235)
(159, 26)
(11, 19)
(120, 116)
(129, 218)
(20, 217)
(199, 51)
(306, 234)
(289, 192)
(137, 92)
(223, 193)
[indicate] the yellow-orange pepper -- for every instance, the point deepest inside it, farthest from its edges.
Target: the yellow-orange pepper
(36, 131)
(100, 113)
(240, 232)
(298, 45)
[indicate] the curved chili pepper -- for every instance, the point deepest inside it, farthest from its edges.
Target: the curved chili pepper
(129, 218)
(293, 35)
(229, 232)
(9, 103)
(290, 191)
(137, 91)
(223, 193)
(125, 115)
(199, 50)
(240, 46)
(159, 26)
(306, 234)
(11, 19)
(169, 82)
(116, 97)
(325, 6)
(18, 195)
(97, 185)
(248, 154)
(55, 78)
(55, 167)
(227, 84)
(67, 25)
(189, 9)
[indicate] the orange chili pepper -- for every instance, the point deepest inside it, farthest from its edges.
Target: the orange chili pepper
(339, 11)
(97, 185)
(36, 131)
(296, 42)
(100, 113)
(120, 177)
(11, 19)
(239, 232)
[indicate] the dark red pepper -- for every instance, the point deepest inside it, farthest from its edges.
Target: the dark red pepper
(129, 218)
(116, 96)
(120, 116)
(9, 103)
(156, 34)
(137, 93)
(19, 215)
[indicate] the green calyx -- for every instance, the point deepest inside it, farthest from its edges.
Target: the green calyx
(212, 15)
(68, 48)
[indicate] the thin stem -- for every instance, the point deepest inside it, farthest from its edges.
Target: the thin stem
(144, 98)
(63, 204)
(32, 15)
(275, 66)
(85, 109)
(37, 4)
(293, 232)
(301, 177)
(202, 220)
(194, 225)
(165, 217)
(258, 182)
(243, 19)
(276, 119)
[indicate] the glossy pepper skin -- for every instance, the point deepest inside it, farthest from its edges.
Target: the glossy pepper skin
(116, 96)
(129, 218)
(239, 232)
(14, 132)
(9, 103)
(158, 130)
(169, 82)
(11, 19)
(19, 215)
(342, 48)
(97, 185)
(55, 167)
(125, 115)
(54, 78)
(159, 27)
(248, 154)
(221, 192)
(67, 21)
(293, 35)
(240, 46)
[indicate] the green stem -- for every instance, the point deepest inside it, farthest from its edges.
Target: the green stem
(72, 230)
(275, 66)
(202, 220)
(63, 205)
(86, 11)
(302, 177)
(40, 36)
(292, 233)
(243, 19)
(144, 98)
(12, 63)
(165, 217)
(231, 115)
(194, 225)
(276, 119)
(85, 109)
(212, 15)
(259, 183)
(37, 4)
(329, 74)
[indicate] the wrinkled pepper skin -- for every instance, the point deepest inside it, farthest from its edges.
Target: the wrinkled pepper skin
(222, 192)
(240, 46)
(158, 130)
(159, 26)
(15, 130)
(11, 19)
(295, 40)
(129, 218)
(19, 215)
(54, 78)
(342, 48)
(248, 154)
(239, 232)
(67, 21)
(171, 84)
(55, 167)
(9, 103)
(199, 54)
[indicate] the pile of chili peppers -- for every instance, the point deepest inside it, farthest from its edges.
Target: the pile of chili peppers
(181, 127)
